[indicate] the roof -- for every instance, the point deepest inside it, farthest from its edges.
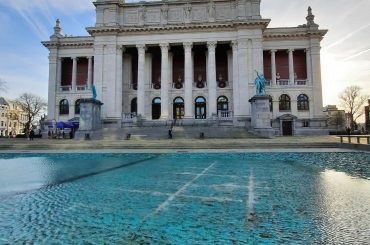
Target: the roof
(3, 101)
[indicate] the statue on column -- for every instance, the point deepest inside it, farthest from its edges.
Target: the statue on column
(260, 82)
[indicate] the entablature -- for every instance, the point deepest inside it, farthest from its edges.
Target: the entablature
(292, 33)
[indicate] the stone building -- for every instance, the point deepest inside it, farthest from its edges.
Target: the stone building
(367, 117)
(190, 62)
(12, 118)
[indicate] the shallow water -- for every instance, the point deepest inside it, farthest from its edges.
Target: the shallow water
(300, 198)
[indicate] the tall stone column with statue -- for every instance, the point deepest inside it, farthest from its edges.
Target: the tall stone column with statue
(261, 113)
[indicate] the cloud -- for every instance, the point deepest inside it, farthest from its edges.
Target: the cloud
(40, 14)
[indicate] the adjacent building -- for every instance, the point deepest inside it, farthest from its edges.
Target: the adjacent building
(13, 119)
(188, 61)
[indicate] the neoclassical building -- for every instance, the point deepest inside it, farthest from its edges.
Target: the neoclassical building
(189, 61)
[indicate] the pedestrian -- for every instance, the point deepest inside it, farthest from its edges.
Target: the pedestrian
(170, 133)
(32, 134)
(49, 134)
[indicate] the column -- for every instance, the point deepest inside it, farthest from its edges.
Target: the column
(98, 71)
(164, 81)
(119, 82)
(273, 67)
(244, 105)
(188, 81)
(59, 74)
(53, 70)
(234, 45)
(308, 66)
(291, 67)
(89, 73)
(211, 79)
(141, 80)
(74, 73)
(316, 79)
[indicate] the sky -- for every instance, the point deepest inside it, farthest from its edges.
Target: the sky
(345, 54)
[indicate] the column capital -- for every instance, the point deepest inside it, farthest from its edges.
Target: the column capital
(307, 50)
(74, 58)
(291, 50)
(164, 46)
(273, 51)
(188, 46)
(89, 57)
(141, 47)
(234, 44)
(211, 45)
(121, 48)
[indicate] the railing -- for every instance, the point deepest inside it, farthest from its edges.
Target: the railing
(283, 82)
(66, 88)
(225, 115)
(357, 137)
(81, 87)
(300, 82)
(131, 115)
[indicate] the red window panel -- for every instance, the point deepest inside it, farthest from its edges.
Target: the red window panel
(200, 66)
(267, 65)
(222, 69)
(282, 64)
(156, 67)
(300, 67)
(67, 65)
(178, 67)
(82, 70)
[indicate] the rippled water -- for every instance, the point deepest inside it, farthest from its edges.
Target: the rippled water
(300, 198)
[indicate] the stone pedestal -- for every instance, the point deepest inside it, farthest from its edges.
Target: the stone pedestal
(90, 119)
(261, 116)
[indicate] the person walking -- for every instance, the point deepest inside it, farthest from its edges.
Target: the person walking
(32, 134)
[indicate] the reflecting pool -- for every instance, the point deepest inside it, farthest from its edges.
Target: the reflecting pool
(252, 198)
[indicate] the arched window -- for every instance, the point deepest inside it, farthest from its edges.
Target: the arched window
(134, 105)
(284, 102)
(303, 103)
(156, 108)
(77, 107)
(222, 104)
(178, 108)
(200, 108)
(63, 107)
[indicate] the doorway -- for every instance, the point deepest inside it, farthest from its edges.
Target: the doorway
(287, 128)
(178, 108)
(156, 108)
(200, 108)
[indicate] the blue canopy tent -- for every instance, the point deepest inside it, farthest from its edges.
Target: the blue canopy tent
(72, 125)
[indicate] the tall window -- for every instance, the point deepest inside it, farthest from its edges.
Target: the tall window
(63, 107)
(77, 107)
(303, 103)
(178, 108)
(284, 102)
(200, 108)
(222, 104)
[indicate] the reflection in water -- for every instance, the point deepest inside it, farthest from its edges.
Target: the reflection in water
(344, 208)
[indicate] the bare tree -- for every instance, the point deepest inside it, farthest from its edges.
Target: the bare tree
(353, 102)
(336, 119)
(33, 105)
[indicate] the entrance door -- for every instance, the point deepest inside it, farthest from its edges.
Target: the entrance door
(287, 128)
(156, 108)
(178, 108)
(200, 108)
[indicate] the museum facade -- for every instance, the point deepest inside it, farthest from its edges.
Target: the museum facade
(188, 62)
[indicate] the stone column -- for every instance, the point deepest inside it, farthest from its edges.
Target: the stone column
(141, 80)
(316, 79)
(74, 74)
(164, 81)
(98, 70)
(59, 74)
(291, 67)
(89, 73)
(273, 67)
(188, 81)
(309, 66)
(211, 79)
(244, 106)
(53, 70)
(235, 78)
(119, 82)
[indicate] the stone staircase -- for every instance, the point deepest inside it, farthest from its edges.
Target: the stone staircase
(178, 132)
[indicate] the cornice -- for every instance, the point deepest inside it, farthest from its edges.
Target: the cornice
(292, 33)
(260, 23)
(71, 44)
